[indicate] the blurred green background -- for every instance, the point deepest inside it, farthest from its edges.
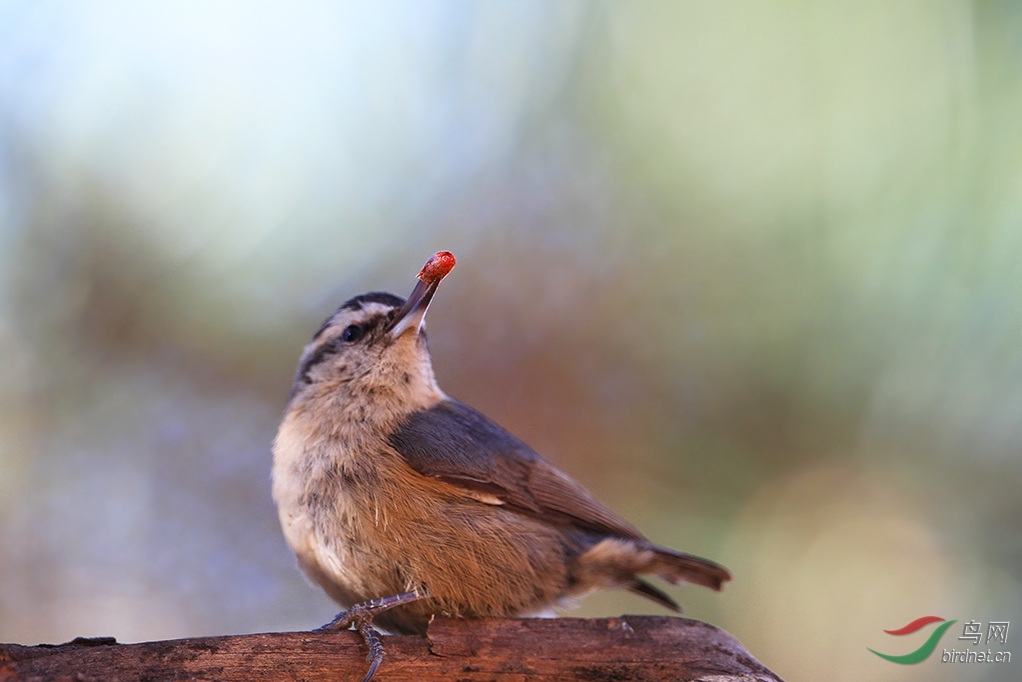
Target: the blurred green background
(750, 271)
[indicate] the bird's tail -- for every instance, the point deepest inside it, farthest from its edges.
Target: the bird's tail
(676, 567)
(620, 561)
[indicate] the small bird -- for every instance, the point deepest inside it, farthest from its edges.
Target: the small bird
(403, 503)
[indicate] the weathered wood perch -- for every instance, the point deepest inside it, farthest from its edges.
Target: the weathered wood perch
(625, 648)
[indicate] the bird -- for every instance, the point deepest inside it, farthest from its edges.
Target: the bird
(403, 503)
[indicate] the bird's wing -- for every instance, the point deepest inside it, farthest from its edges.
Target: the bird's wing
(456, 444)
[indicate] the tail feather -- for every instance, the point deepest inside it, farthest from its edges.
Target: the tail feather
(617, 562)
(640, 586)
(676, 567)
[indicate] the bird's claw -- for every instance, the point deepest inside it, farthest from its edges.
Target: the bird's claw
(361, 616)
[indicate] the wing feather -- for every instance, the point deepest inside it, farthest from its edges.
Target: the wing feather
(456, 444)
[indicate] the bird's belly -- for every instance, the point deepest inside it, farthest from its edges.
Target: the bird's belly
(473, 559)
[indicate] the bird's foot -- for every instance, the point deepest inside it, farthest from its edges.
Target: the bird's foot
(361, 616)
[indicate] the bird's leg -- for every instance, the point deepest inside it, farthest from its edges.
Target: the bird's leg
(361, 616)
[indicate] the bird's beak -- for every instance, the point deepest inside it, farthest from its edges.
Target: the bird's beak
(413, 313)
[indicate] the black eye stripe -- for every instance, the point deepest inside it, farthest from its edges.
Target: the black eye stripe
(335, 345)
(322, 328)
(321, 354)
(357, 303)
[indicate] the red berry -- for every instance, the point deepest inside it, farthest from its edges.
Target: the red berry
(437, 267)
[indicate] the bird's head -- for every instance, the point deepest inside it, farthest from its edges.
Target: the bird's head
(374, 349)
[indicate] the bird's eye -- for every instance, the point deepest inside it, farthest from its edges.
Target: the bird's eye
(352, 333)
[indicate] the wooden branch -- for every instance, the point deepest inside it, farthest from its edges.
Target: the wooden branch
(626, 648)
